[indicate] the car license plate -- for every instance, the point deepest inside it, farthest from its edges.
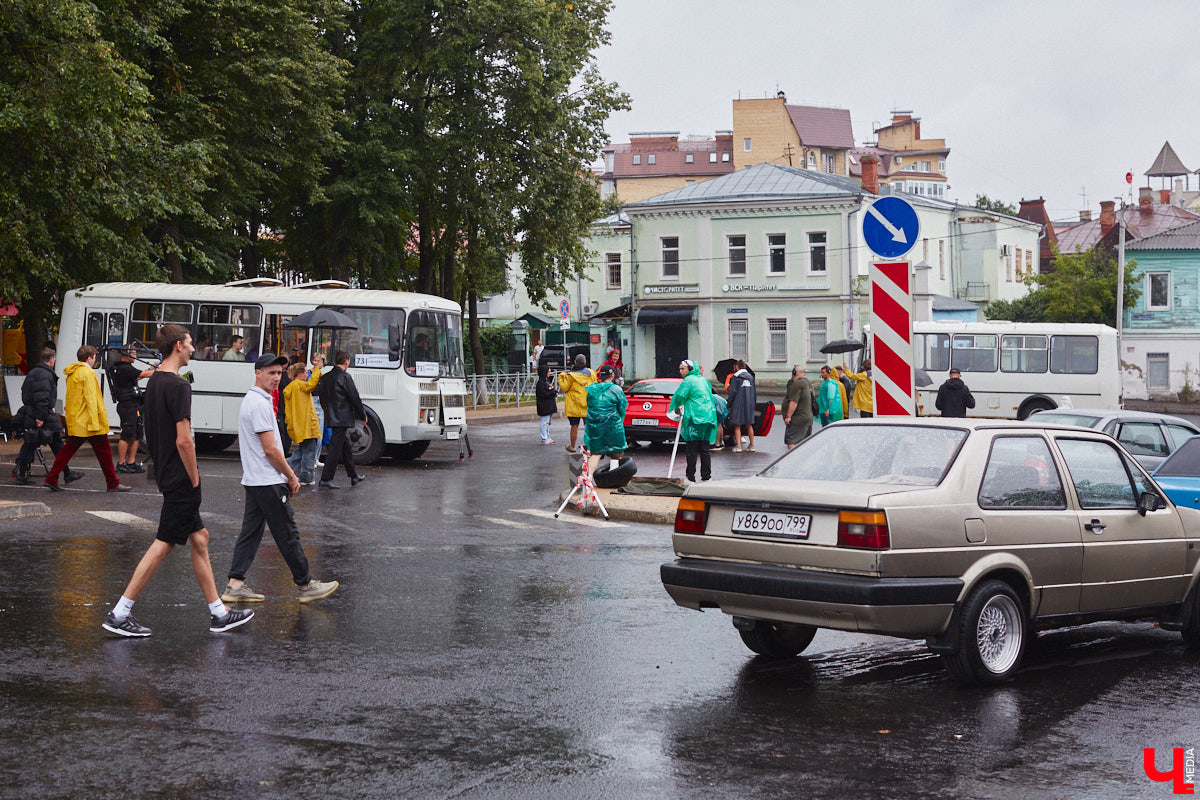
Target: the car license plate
(451, 434)
(644, 421)
(769, 523)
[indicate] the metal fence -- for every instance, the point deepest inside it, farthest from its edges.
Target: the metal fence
(501, 389)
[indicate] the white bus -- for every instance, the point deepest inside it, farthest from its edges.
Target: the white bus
(1016, 368)
(410, 402)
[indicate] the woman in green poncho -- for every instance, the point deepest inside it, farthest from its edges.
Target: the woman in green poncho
(699, 421)
(605, 431)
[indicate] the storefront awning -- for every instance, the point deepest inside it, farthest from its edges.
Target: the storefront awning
(620, 312)
(665, 315)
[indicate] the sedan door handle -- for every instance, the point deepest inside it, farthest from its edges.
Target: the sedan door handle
(1095, 526)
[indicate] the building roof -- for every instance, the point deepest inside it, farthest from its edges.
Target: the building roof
(764, 181)
(670, 156)
(822, 127)
(1167, 164)
(1138, 225)
(1184, 237)
(943, 303)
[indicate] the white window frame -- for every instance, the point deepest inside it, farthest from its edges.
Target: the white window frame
(662, 260)
(813, 353)
(829, 163)
(808, 256)
(1150, 276)
(770, 271)
(1165, 358)
(609, 261)
(744, 324)
(942, 165)
(651, 159)
(637, 159)
(778, 336)
(746, 144)
(712, 158)
(689, 158)
(725, 157)
(729, 273)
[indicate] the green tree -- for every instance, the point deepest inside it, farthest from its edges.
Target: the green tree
(1082, 288)
(999, 206)
(82, 164)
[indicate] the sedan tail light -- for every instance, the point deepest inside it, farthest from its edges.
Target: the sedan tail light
(864, 529)
(691, 516)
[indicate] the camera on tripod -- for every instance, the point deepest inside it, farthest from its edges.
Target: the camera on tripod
(110, 357)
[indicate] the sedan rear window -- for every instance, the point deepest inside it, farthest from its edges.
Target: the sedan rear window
(653, 387)
(903, 455)
(1064, 418)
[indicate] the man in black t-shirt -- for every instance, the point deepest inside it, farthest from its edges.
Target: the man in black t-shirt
(125, 377)
(169, 431)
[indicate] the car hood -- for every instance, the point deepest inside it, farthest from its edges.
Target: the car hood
(785, 491)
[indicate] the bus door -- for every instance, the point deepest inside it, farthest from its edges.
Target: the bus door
(104, 328)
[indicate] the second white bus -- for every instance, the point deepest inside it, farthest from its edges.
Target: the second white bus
(1016, 368)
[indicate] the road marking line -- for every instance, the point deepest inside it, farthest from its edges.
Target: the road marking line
(124, 518)
(509, 522)
(595, 523)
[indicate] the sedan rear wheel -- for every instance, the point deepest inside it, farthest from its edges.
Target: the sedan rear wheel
(991, 635)
(777, 641)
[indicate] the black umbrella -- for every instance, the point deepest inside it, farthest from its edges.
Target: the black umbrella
(724, 368)
(921, 377)
(842, 346)
(321, 318)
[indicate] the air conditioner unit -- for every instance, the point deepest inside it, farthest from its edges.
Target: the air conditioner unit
(590, 308)
(1004, 251)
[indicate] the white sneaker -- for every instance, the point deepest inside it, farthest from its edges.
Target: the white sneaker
(737, 449)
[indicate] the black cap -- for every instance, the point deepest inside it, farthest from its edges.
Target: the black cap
(270, 360)
(605, 371)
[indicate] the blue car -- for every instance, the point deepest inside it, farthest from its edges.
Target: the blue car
(1179, 474)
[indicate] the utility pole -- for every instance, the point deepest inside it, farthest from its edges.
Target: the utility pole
(788, 152)
(1120, 291)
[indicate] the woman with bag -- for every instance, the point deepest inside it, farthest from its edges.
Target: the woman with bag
(742, 399)
(547, 401)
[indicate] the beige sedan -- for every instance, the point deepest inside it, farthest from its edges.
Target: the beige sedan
(969, 534)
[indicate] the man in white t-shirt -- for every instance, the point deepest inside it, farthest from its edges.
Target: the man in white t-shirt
(269, 482)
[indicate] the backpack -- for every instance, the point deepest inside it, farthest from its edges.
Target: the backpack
(816, 410)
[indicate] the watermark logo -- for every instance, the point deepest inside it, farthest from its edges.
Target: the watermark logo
(1182, 773)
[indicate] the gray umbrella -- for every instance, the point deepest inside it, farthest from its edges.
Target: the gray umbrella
(321, 318)
(921, 377)
(842, 346)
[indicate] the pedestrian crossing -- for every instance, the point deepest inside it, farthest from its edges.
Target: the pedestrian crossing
(575, 520)
(124, 518)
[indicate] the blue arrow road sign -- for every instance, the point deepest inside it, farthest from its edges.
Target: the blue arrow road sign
(564, 308)
(890, 227)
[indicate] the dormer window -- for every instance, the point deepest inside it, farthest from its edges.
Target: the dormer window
(725, 157)
(650, 158)
(689, 158)
(712, 158)
(637, 160)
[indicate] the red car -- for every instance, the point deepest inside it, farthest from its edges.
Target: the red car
(646, 418)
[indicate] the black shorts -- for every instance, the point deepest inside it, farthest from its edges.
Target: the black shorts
(131, 420)
(574, 421)
(180, 516)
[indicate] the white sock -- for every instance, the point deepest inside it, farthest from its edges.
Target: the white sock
(217, 608)
(123, 608)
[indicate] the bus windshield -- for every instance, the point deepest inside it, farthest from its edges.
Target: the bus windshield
(433, 347)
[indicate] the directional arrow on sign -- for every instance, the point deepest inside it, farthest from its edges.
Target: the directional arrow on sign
(897, 233)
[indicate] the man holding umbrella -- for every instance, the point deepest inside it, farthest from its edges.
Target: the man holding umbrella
(343, 408)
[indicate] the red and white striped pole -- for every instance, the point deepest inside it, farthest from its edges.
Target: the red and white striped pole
(891, 339)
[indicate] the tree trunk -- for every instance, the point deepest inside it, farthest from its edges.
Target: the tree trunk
(426, 253)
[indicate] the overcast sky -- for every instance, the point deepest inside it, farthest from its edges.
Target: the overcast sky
(1048, 98)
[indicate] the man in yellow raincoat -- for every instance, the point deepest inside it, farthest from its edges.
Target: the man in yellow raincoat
(87, 421)
(574, 385)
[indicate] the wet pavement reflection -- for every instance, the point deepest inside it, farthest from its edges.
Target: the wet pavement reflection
(476, 650)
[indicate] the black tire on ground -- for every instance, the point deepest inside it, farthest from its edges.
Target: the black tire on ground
(1031, 406)
(609, 477)
(1191, 623)
(366, 441)
(409, 450)
(214, 442)
(778, 641)
(991, 635)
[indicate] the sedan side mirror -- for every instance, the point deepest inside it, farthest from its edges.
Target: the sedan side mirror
(394, 342)
(1149, 501)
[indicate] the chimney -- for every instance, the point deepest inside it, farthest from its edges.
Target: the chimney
(1164, 197)
(1085, 216)
(1145, 199)
(1108, 220)
(870, 173)
(1177, 194)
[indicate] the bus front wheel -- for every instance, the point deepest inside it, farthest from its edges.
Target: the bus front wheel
(366, 441)
(409, 450)
(1034, 405)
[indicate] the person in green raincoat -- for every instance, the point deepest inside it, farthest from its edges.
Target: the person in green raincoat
(604, 434)
(699, 420)
(829, 397)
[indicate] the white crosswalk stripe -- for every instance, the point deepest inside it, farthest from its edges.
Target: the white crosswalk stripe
(125, 518)
(569, 517)
(497, 521)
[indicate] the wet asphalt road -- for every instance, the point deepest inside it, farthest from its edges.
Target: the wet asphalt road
(478, 648)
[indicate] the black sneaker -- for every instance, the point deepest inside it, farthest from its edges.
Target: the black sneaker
(72, 475)
(329, 485)
(124, 627)
(232, 618)
(22, 480)
(122, 468)
(135, 466)
(358, 480)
